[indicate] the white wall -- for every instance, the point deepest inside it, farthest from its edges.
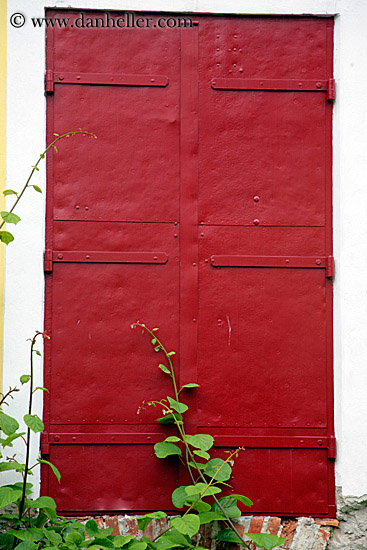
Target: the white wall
(26, 138)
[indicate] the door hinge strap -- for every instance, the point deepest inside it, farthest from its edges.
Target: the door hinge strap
(332, 448)
(45, 444)
(273, 85)
(330, 94)
(49, 82)
(323, 262)
(48, 261)
(330, 266)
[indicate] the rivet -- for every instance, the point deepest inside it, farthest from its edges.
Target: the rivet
(194, 264)
(57, 438)
(301, 442)
(206, 260)
(87, 257)
(74, 438)
(60, 256)
(256, 198)
(218, 36)
(235, 36)
(194, 320)
(234, 49)
(152, 79)
(256, 221)
(318, 84)
(218, 50)
(241, 70)
(318, 262)
(155, 258)
(299, 84)
(77, 207)
(201, 234)
(61, 77)
(175, 235)
(229, 49)
(86, 208)
(78, 77)
(287, 261)
(319, 442)
(176, 223)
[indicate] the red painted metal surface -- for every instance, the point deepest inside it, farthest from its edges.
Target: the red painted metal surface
(201, 188)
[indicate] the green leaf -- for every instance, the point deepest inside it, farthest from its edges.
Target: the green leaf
(26, 545)
(179, 497)
(227, 535)
(74, 538)
(197, 465)
(228, 504)
(25, 378)
(5, 466)
(41, 388)
(218, 469)
(200, 488)
(6, 540)
(29, 534)
(177, 538)
(207, 517)
(265, 540)
(36, 188)
(42, 502)
(34, 423)
(36, 168)
(10, 217)
(52, 536)
(246, 501)
(9, 192)
(164, 449)
(171, 353)
(172, 439)
(201, 506)
(187, 525)
(8, 424)
(169, 418)
(52, 466)
(177, 406)
(6, 237)
(7, 442)
(38, 353)
(143, 521)
(119, 540)
(201, 441)
(136, 545)
(91, 528)
(164, 368)
(202, 454)
(191, 385)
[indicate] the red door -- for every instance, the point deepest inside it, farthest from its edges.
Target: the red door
(204, 208)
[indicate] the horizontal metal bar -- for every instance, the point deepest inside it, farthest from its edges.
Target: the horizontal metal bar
(109, 79)
(269, 261)
(104, 438)
(95, 257)
(287, 84)
(287, 442)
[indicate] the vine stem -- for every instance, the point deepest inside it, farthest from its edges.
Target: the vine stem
(42, 156)
(181, 429)
(28, 442)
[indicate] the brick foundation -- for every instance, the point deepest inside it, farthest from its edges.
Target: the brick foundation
(300, 533)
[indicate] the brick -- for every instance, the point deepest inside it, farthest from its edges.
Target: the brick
(322, 538)
(112, 521)
(100, 522)
(327, 522)
(288, 531)
(273, 526)
(256, 524)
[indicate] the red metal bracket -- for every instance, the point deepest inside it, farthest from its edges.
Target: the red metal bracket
(48, 261)
(330, 266)
(45, 446)
(330, 95)
(105, 79)
(71, 256)
(49, 82)
(286, 442)
(272, 261)
(270, 84)
(332, 448)
(103, 438)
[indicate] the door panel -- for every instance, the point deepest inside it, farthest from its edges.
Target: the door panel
(203, 208)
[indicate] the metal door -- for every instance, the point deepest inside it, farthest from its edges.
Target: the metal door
(204, 208)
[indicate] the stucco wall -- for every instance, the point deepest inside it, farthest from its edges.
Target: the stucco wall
(26, 138)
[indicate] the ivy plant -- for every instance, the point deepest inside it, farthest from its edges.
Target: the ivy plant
(199, 501)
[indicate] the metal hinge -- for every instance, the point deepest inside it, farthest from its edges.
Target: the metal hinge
(330, 93)
(331, 451)
(49, 82)
(330, 266)
(45, 445)
(48, 261)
